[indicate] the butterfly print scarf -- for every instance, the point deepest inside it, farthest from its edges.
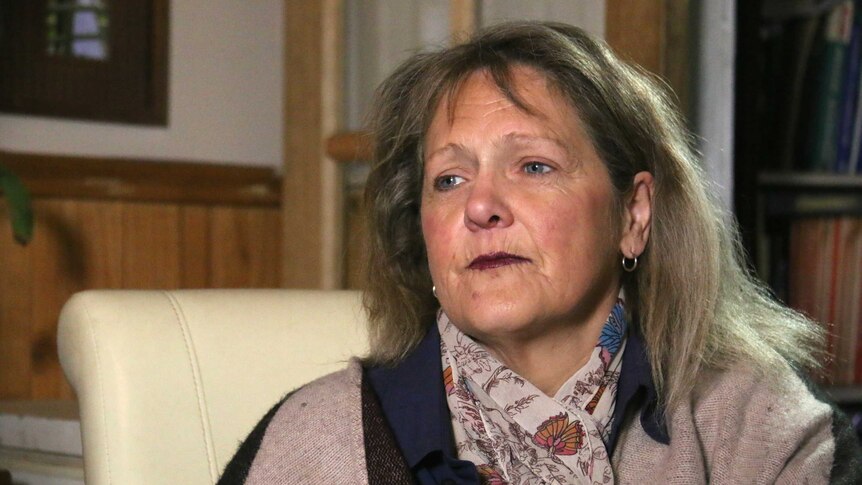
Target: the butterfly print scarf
(512, 431)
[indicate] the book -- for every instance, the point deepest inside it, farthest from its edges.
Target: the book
(805, 275)
(851, 291)
(825, 283)
(849, 96)
(856, 143)
(791, 54)
(823, 137)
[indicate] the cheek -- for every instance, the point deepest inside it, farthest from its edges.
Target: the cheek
(581, 228)
(438, 239)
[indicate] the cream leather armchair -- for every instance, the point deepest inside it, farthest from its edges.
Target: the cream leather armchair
(170, 382)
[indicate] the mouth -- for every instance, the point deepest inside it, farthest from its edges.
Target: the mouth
(496, 260)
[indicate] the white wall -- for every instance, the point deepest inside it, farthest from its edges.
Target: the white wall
(382, 33)
(224, 98)
(379, 35)
(586, 14)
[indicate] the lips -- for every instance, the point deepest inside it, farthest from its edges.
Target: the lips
(496, 260)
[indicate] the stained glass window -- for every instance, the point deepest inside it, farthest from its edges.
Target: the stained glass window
(78, 28)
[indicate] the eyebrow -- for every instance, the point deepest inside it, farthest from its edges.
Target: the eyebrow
(525, 139)
(449, 147)
(508, 138)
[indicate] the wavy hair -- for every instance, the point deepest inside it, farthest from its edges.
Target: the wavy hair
(692, 298)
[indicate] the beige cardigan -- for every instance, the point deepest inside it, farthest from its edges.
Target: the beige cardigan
(734, 429)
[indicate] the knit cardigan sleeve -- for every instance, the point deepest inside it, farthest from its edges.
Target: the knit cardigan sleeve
(738, 427)
(237, 469)
(329, 431)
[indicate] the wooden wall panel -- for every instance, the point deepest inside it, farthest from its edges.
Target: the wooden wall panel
(357, 240)
(655, 34)
(99, 228)
(231, 252)
(195, 246)
(58, 270)
(16, 310)
(244, 249)
(635, 30)
(89, 241)
(151, 244)
(265, 247)
(313, 196)
(463, 19)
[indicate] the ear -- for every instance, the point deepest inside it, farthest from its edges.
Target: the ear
(637, 215)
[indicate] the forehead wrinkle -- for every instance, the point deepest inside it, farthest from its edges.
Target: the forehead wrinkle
(516, 97)
(507, 89)
(502, 103)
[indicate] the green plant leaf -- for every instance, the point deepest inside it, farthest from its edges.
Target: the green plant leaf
(20, 209)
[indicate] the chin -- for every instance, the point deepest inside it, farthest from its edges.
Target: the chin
(495, 320)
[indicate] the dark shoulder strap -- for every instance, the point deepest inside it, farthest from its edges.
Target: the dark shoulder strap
(847, 458)
(383, 458)
(237, 469)
(847, 462)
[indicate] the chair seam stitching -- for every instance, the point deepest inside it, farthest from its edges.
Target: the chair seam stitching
(199, 390)
(101, 388)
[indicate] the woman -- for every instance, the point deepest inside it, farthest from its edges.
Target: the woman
(555, 297)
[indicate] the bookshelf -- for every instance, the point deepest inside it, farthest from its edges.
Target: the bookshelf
(797, 180)
(846, 395)
(785, 196)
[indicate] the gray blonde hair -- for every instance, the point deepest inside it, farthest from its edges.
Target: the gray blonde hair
(691, 298)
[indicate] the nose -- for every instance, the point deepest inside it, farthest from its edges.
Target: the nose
(487, 206)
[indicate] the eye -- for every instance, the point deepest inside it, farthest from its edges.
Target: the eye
(536, 168)
(447, 182)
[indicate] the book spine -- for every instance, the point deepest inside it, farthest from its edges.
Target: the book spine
(856, 144)
(805, 280)
(853, 288)
(849, 95)
(824, 134)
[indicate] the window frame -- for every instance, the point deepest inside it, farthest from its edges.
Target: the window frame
(131, 86)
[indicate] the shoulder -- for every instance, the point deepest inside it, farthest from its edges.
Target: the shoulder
(775, 427)
(738, 426)
(782, 422)
(764, 426)
(313, 435)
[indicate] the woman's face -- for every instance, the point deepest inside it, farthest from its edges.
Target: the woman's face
(517, 213)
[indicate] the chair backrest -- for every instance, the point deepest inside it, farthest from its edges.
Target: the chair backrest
(170, 382)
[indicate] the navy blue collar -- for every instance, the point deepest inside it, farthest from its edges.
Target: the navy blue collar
(414, 400)
(637, 389)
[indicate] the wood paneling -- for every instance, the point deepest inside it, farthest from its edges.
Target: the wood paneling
(245, 246)
(463, 19)
(656, 35)
(15, 314)
(636, 31)
(56, 272)
(140, 180)
(151, 244)
(679, 48)
(313, 194)
(96, 242)
(350, 146)
(357, 239)
(195, 244)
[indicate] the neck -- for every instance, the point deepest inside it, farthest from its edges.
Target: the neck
(548, 360)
